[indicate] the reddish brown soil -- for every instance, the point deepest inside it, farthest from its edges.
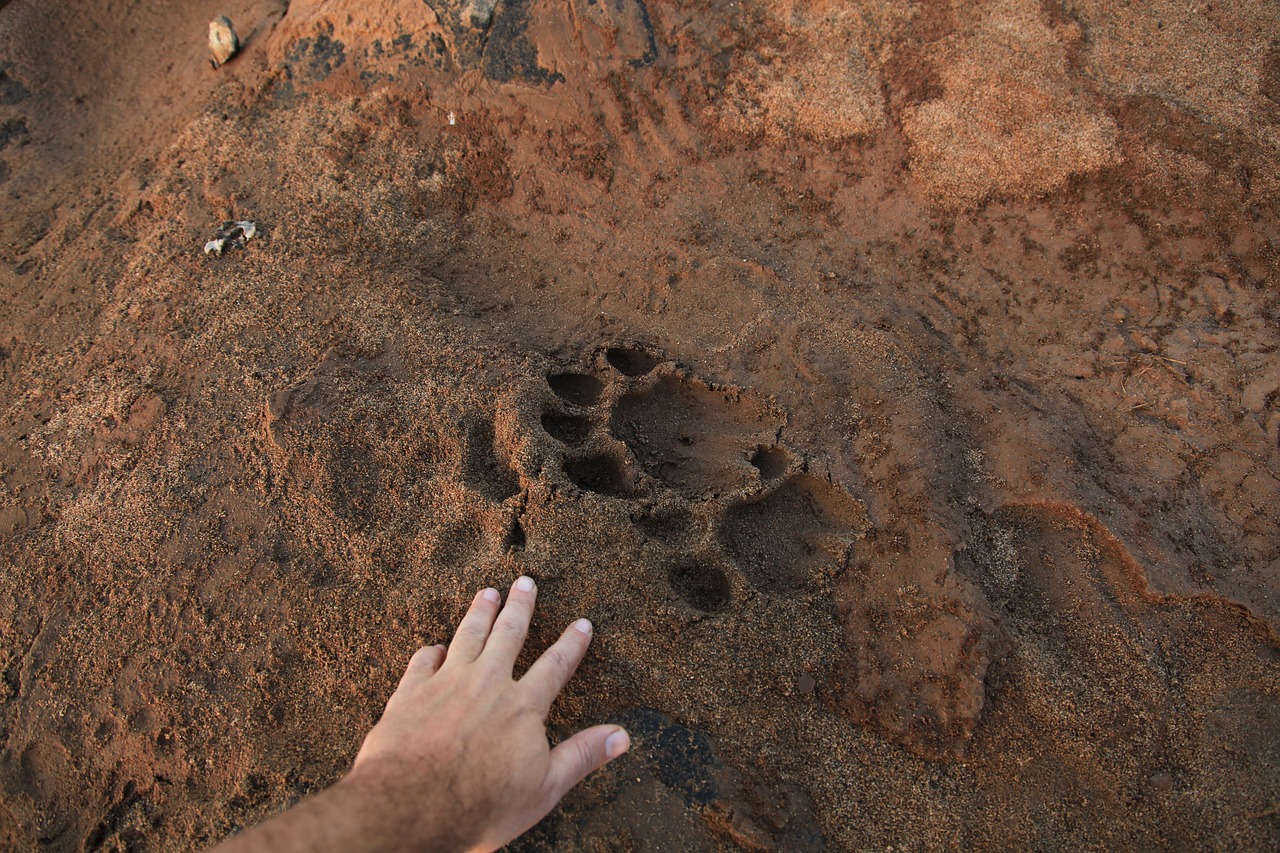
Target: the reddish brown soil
(895, 384)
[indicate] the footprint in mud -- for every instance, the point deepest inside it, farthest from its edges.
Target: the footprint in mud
(516, 538)
(666, 524)
(792, 534)
(457, 543)
(693, 438)
(601, 472)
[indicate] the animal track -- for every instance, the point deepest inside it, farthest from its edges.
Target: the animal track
(791, 534)
(516, 539)
(481, 467)
(691, 437)
(458, 542)
(665, 525)
(569, 429)
(701, 448)
(631, 362)
(702, 584)
(601, 473)
(771, 462)
(580, 389)
(340, 436)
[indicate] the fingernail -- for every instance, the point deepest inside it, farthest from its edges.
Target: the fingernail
(583, 625)
(491, 595)
(617, 743)
(524, 583)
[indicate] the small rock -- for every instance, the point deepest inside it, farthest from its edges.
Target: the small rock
(232, 235)
(479, 13)
(223, 41)
(806, 683)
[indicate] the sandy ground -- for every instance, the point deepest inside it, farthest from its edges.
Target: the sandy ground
(895, 384)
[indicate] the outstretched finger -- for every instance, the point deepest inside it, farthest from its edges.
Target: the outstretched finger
(512, 626)
(551, 672)
(584, 753)
(422, 665)
(473, 630)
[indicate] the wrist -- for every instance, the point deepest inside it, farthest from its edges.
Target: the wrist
(397, 817)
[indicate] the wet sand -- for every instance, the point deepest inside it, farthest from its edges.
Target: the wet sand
(896, 385)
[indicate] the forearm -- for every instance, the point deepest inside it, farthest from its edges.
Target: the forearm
(459, 760)
(350, 815)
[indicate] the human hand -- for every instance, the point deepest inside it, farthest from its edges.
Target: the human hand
(460, 759)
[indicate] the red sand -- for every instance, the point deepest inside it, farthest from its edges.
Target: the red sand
(896, 385)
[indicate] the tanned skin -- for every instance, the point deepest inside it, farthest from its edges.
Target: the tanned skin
(460, 759)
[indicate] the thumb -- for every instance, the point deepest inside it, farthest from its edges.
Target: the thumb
(585, 752)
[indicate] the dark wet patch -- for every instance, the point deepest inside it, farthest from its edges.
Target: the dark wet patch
(509, 54)
(11, 91)
(284, 93)
(14, 128)
(682, 759)
(468, 39)
(432, 52)
(651, 47)
(317, 57)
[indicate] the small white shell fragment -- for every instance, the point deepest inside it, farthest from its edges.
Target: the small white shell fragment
(233, 234)
(223, 41)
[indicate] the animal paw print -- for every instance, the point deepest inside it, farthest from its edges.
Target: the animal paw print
(708, 479)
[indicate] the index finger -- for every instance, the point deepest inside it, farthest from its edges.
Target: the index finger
(551, 672)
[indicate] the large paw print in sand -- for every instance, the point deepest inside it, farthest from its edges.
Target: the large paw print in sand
(693, 457)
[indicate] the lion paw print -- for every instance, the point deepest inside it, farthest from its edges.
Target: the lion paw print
(705, 473)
